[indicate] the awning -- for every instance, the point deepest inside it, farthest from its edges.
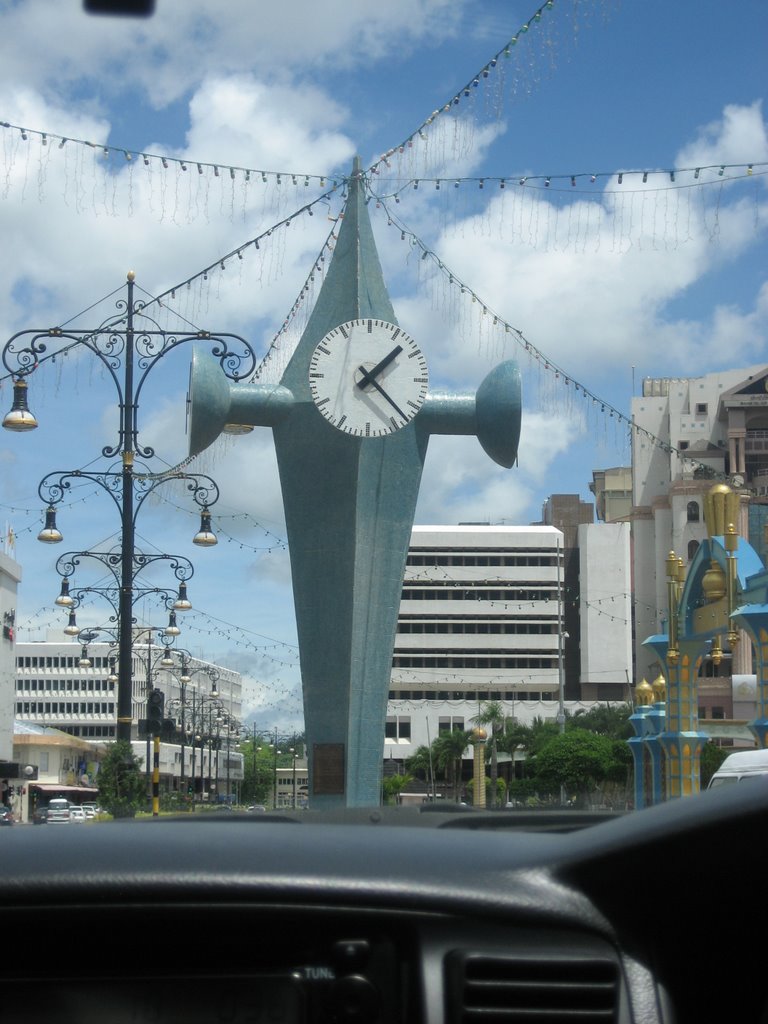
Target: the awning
(52, 787)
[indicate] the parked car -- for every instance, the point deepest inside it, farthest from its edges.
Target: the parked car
(6, 815)
(58, 811)
(40, 816)
(91, 809)
(77, 814)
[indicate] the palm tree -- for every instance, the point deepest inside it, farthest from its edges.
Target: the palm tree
(448, 749)
(421, 765)
(492, 714)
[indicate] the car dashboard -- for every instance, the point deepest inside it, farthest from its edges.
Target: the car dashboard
(438, 917)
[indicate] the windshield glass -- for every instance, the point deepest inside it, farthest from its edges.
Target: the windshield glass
(359, 363)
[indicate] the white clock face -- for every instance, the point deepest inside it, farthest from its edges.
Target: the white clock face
(368, 378)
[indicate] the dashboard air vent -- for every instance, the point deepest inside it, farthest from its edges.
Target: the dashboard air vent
(523, 989)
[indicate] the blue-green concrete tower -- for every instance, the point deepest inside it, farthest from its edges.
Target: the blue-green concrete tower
(349, 505)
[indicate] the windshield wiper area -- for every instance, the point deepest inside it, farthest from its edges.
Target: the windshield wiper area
(428, 815)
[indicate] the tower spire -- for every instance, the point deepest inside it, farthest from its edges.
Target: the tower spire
(353, 287)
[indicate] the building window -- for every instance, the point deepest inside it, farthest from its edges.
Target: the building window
(398, 728)
(718, 712)
(693, 547)
(693, 511)
(701, 408)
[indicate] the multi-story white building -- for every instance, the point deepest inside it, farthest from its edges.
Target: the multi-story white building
(10, 575)
(57, 686)
(480, 620)
(605, 612)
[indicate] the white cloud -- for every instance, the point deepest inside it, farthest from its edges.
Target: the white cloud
(589, 280)
(186, 40)
(740, 135)
(243, 120)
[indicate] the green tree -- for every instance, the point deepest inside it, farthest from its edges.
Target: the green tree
(492, 715)
(393, 785)
(122, 785)
(605, 719)
(258, 770)
(421, 764)
(447, 753)
(710, 760)
(577, 759)
(529, 739)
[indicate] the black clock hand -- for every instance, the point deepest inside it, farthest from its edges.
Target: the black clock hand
(368, 375)
(384, 394)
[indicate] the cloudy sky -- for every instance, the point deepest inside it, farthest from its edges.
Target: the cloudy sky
(583, 190)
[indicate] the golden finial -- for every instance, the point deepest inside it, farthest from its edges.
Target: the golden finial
(659, 688)
(643, 693)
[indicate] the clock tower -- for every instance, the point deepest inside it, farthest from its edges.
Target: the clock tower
(351, 421)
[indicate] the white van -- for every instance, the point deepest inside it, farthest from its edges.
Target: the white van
(58, 811)
(745, 764)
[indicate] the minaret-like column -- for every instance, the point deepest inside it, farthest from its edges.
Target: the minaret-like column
(655, 723)
(637, 744)
(479, 739)
(681, 740)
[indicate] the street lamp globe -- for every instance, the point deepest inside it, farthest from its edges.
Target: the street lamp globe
(19, 418)
(205, 537)
(172, 629)
(72, 628)
(50, 533)
(182, 602)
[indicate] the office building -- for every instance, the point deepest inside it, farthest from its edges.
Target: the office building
(481, 619)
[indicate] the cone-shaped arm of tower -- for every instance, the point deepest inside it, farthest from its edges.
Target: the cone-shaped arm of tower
(492, 414)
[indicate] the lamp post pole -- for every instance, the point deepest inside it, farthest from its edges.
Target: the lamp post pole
(203, 708)
(295, 755)
(194, 748)
(561, 637)
(130, 340)
(276, 753)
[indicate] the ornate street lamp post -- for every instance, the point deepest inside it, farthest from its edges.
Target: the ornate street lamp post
(152, 656)
(191, 716)
(134, 342)
(285, 744)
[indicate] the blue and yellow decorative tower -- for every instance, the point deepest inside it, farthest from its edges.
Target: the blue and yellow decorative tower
(726, 589)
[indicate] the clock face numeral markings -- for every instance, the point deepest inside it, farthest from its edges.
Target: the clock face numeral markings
(362, 381)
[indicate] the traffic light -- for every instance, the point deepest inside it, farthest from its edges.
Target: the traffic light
(155, 703)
